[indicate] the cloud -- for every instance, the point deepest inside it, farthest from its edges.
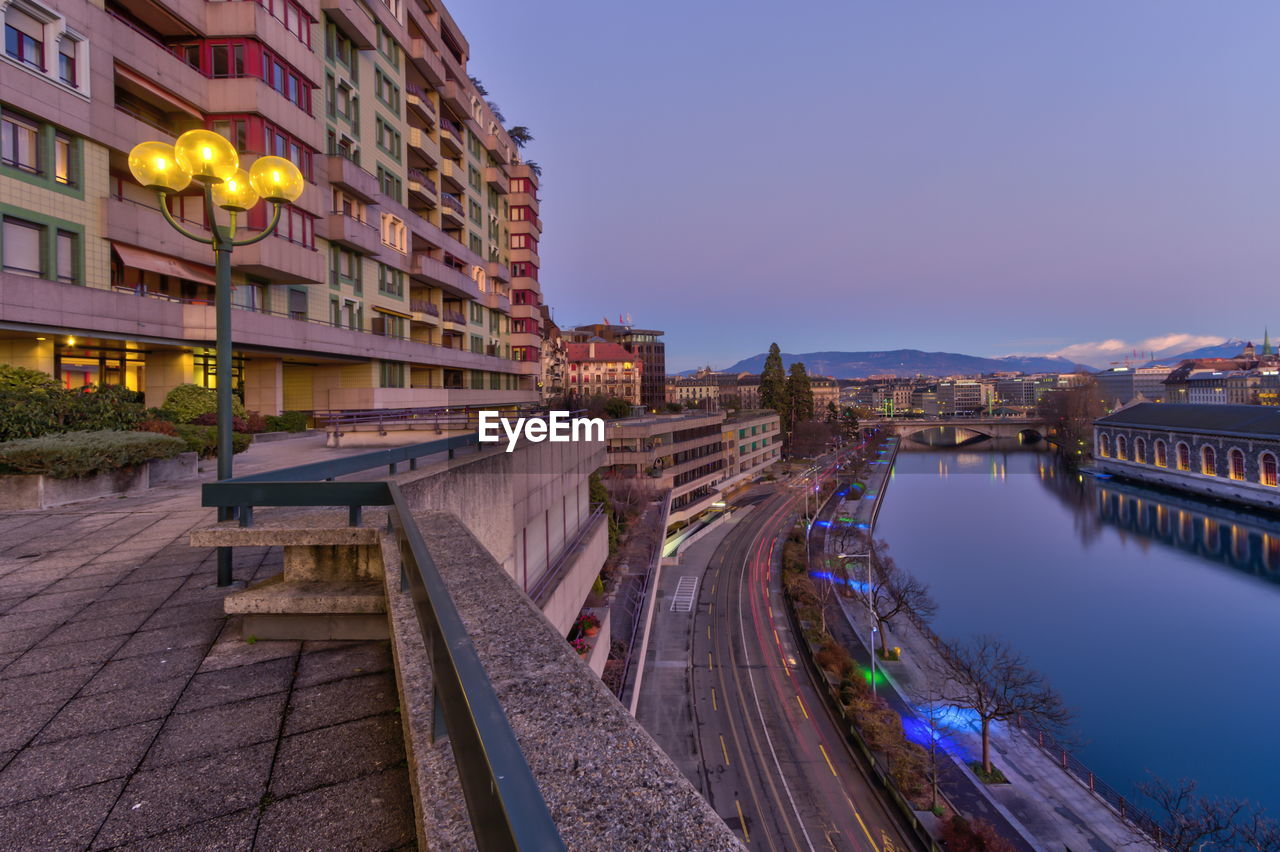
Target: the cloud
(1101, 352)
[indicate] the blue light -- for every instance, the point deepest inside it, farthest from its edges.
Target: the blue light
(822, 523)
(832, 578)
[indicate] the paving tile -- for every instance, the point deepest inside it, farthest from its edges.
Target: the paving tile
(174, 797)
(115, 625)
(47, 599)
(142, 589)
(340, 701)
(119, 606)
(63, 821)
(332, 755)
(373, 812)
(18, 642)
(174, 615)
(46, 618)
(77, 762)
(231, 651)
(92, 581)
(231, 833)
(48, 658)
(223, 686)
(43, 688)
(22, 722)
(199, 634)
(105, 711)
(344, 660)
(138, 671)
(228, 726)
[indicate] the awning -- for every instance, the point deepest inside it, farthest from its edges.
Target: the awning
(163, 264)
(393, 313)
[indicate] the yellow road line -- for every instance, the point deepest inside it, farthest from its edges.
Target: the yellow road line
(710, 665)
(713, 699)
(827, 759)
(802, 710)
(713, 588)
(742, 821)
(708, 631)
(725, 750)
(870, 839)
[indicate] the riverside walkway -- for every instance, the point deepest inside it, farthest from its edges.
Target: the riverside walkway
(136, 716)
(1043, 804)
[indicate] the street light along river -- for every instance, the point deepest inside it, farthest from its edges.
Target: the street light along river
(1153, 614)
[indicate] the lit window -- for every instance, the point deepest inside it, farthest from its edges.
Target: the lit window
(20, 143)
(1162, 454)
(1267, 469)
(1208, 461)
(1184, 457)
(1235, 464)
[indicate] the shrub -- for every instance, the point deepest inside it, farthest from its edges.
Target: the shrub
(960, 835)
(238, 424)
(289, 421)
(204, 440)
(160, 427)
(83, 453)
(187, 402)
(109, 407)
(255, 423)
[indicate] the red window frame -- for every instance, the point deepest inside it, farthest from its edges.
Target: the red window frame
(255, 60)
(253, 134)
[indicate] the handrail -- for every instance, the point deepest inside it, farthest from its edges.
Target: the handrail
(506, 808)
(553, 571)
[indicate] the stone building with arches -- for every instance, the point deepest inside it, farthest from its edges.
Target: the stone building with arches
(1231, 452)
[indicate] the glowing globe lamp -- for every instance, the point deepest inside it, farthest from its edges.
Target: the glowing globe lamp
(235, 193)
(154, 166)
(276, 179)
(207, 156)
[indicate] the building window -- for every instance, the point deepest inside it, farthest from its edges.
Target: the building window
(67, 255)
(394, 233)
(24, 38)
(1235, 464)
(1140, 450)
(386, 91)
(22, 247)
(390, 280)
(1104, 445)
(1267, 469)
(20, 143)
(1162, 454)
(67, 61)
(63, 160)
(390, 374)
(388, 139)
(243, 57)
(1184, 457)
(1122, 448)
(1208, 461)
(389, 184)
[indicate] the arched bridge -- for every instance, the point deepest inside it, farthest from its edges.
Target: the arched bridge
(962, 430)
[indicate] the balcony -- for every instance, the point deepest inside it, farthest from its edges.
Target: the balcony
(453, 177)
(452, 214)
(359, 236)
(497, 271)
(354, 22)
(426, 61)
(455, 94)
(497, 179)
(455, 317)
(443, 275)
(419, 103)
(452, 137)
(423, 148)
(423, 187)
(422, 306)
(350, 177)
(525, 256)
(498, 147)
(533, 227)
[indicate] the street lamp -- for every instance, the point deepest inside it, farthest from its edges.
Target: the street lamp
(211, 160)
(871, 615)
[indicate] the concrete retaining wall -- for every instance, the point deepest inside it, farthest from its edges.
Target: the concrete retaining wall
(1252, 493)
(35, 491)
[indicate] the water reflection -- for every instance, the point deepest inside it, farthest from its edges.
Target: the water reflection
(1242, 538)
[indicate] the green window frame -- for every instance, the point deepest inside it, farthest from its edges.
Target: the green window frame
(56, 255)
(59, 156)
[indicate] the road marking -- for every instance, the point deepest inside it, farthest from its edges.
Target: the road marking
(725, 750)
(827, 759)
(713, 699)
(710, 666)
(802, 710)
(686, 590)
(742, 822)
(870, 839)
(708, 631)
(713, 588)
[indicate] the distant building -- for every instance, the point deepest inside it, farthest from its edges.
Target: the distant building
(752, 442)
(554, 355)
(1119, 386)
(647, 347)
(1023, 390)
(681, 452)
(825, 390)
(1224, 451)
(961, 396)
(603, 369)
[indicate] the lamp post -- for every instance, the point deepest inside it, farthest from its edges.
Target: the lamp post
(211, 160)
(871, 615)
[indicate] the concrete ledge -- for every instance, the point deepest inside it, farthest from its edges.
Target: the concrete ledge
(283, 534)
(35, 491)
(315, 628)
(607, 783)
(275, 596)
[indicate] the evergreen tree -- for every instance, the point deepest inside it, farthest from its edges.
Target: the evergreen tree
(773, 385)
(832, 413)
(799, 394)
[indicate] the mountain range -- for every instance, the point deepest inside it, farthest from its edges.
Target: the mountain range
(909, 362)
(1228, 349)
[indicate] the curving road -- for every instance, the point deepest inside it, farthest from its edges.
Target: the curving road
(773, 761)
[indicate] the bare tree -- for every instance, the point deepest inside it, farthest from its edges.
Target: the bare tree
(990, 678)
(1260, 832)
(1191, 820)
(893, 592)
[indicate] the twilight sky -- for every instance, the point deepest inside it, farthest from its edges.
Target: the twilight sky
(980, 177)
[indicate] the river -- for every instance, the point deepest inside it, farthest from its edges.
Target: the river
(1156, 616)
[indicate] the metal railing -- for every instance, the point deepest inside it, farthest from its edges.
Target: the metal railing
(453, 203)
(506, 808)
(420, 177)
(556, 568)
(441, 418)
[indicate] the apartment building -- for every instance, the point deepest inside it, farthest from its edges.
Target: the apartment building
(826, 391)
(603, 369)
(680, 452)
(1119, 386)
(645, 344)
(406, 275)
(710, 389)
(752, 442)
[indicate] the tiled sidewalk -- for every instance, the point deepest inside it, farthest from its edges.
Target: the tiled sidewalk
(133, 716)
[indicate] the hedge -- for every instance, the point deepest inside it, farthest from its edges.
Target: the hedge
(83, 453)
(34, 404)
(204, 440)
(187, 402)
(288, 421)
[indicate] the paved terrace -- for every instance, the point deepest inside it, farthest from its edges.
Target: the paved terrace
(136, 717)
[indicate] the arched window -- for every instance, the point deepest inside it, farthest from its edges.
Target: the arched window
(1208, 461)
(1140, 450)
(1184, 457)
(1122, 447)
(1104, 445)
(1162, 454)
(1235, 464)
(1267, 469)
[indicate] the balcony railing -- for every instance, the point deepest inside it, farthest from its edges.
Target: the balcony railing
(421, 94)
(453, 127)
(453, 203)
(424, 307)
(454, 316)
(419, 176)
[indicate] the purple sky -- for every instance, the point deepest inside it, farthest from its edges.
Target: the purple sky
(981, 177)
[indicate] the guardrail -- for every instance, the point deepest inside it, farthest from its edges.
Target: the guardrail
(441, 417)
(555, 570)
(506, 809)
